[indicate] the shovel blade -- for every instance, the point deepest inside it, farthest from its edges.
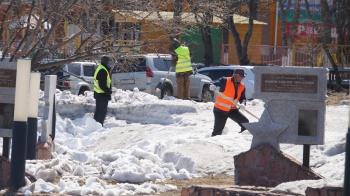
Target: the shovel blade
(160, 86)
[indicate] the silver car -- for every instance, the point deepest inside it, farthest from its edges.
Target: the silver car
(147, 71)
(80, 77)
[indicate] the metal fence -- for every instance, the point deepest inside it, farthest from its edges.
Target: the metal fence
(296, 55)
(310, 55)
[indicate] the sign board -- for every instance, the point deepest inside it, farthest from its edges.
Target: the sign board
(7, 97)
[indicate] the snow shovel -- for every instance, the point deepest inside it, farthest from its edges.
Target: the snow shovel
(161, 85)
(235, 102)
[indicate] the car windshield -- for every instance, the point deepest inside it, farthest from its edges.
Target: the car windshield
(130, 65)
(216, 74)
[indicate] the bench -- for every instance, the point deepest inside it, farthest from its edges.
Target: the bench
(344, 74)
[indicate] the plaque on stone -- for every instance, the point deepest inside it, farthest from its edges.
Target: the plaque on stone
(8, 78)
(288, 83)
(7, 82)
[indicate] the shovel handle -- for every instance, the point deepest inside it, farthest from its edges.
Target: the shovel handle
(235, 102)
(167, 74)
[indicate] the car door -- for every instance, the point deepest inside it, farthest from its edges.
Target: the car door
(88, 74)
(130, 73)
(195, 85)
(162, 66)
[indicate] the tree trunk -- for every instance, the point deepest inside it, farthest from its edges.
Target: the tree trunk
(206, 38)
(242, 49)
(283, 15)
(178, 5)
(295, 21)
(326, 35)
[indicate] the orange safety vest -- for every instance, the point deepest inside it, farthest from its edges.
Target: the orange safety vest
(222, 102)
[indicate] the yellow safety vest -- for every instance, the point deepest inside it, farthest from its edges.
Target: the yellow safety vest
(97, 88)
(183, 63)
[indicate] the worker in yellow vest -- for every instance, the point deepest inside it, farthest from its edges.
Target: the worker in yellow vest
(230, 100)
(181, 56)
(102, 89)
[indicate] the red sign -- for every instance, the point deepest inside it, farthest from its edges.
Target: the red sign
(307, 31)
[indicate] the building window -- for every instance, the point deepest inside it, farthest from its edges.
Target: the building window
(129, 31)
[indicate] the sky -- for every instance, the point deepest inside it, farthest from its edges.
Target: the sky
(146, 141)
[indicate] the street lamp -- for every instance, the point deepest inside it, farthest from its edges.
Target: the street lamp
(20, 126)
(33, 115)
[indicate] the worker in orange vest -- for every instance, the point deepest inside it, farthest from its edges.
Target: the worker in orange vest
(230, 100)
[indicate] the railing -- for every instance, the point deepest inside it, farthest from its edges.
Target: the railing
(296, 55)
(310, 55)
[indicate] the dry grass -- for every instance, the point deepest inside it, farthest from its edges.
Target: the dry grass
(219, 179)
(337, 98)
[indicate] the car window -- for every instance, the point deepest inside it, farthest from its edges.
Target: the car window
(216, 74)
(89, 70)
(130, 65)
(162, 64)
(74, 68)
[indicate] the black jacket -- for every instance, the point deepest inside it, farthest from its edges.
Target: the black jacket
(102, 82)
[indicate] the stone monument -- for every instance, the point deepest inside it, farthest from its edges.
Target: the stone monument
(295, 103)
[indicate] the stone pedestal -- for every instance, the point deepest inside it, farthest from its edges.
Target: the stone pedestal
(264, 166)
(45, 149)
(324, 191)
(4, 172)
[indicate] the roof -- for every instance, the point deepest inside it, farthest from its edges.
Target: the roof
(123, 15)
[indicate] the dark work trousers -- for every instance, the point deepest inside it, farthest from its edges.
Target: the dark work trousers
(183, 87)
(101, 109)
(221, 118)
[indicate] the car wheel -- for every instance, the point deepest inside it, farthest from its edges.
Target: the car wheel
(82, 90)
(207, 95)
(166, 92)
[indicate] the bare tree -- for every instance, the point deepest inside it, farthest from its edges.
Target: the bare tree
(204, 13)
(37, 30)
(326, 34)
(252, 15)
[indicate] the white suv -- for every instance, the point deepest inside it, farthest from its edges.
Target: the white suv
(149, 70)
(81, 77)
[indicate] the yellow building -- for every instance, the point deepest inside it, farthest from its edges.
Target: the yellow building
(153, 29)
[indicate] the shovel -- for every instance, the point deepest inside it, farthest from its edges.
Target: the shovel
(161, 85)
(235, 102)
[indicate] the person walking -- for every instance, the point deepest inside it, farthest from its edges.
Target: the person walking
(182, 60)
(102, 89)
(230, 100)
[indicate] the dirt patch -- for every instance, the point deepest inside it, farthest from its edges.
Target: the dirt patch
(337, 98)
(219, 179)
